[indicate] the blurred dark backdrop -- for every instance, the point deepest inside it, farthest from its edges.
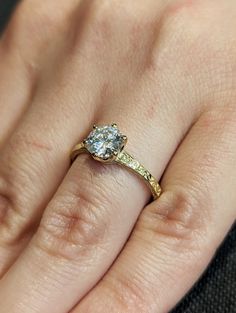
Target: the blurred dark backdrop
(216, 290)
(6, 7)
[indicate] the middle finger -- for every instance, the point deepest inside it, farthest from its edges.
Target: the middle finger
(35, 159)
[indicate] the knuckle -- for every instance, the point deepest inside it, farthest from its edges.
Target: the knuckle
(189, 28)
(178, 216)
(13, 220)
(108, 9)
(131, 18)
(49, 17)
(43, 21)
(4, 205)
(72, 226)
(14, 225)
(18, 173)
(112, 20)
(192, 14)
(17, 189)
(219, 120)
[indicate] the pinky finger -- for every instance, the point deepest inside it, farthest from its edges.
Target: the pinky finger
(177, 235)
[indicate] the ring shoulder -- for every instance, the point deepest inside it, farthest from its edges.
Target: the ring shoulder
(78, 149)
(125, 159)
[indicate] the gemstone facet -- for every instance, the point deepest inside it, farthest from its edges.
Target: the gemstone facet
(105, 142)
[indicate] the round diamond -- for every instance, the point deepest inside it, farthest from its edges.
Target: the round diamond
(104, 141)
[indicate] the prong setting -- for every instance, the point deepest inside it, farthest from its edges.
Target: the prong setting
(125, 138)
(105, 142)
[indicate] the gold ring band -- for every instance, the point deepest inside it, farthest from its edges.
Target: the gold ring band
(106, 144)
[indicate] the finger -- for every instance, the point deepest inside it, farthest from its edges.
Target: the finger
(16, 80)
(29, 32)
(25, 49)
(83, 227)
(176, 236)
(31, 39)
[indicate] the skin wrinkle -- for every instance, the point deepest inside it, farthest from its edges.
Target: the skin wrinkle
(75, 225)
(127, 294)
(82, 223)
(4, 204)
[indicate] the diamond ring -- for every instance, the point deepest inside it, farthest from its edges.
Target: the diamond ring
(106, 144)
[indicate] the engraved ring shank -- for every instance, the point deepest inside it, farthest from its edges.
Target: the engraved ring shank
(125, 159)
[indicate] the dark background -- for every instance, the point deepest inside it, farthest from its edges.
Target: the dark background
(216, 290)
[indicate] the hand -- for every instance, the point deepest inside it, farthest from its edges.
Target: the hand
(164, 71)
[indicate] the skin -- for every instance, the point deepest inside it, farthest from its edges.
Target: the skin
(87, 238)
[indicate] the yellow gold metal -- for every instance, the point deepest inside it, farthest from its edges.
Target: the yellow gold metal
(125, 159)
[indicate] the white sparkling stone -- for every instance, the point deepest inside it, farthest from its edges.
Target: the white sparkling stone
(104, 141)
(134, 164)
